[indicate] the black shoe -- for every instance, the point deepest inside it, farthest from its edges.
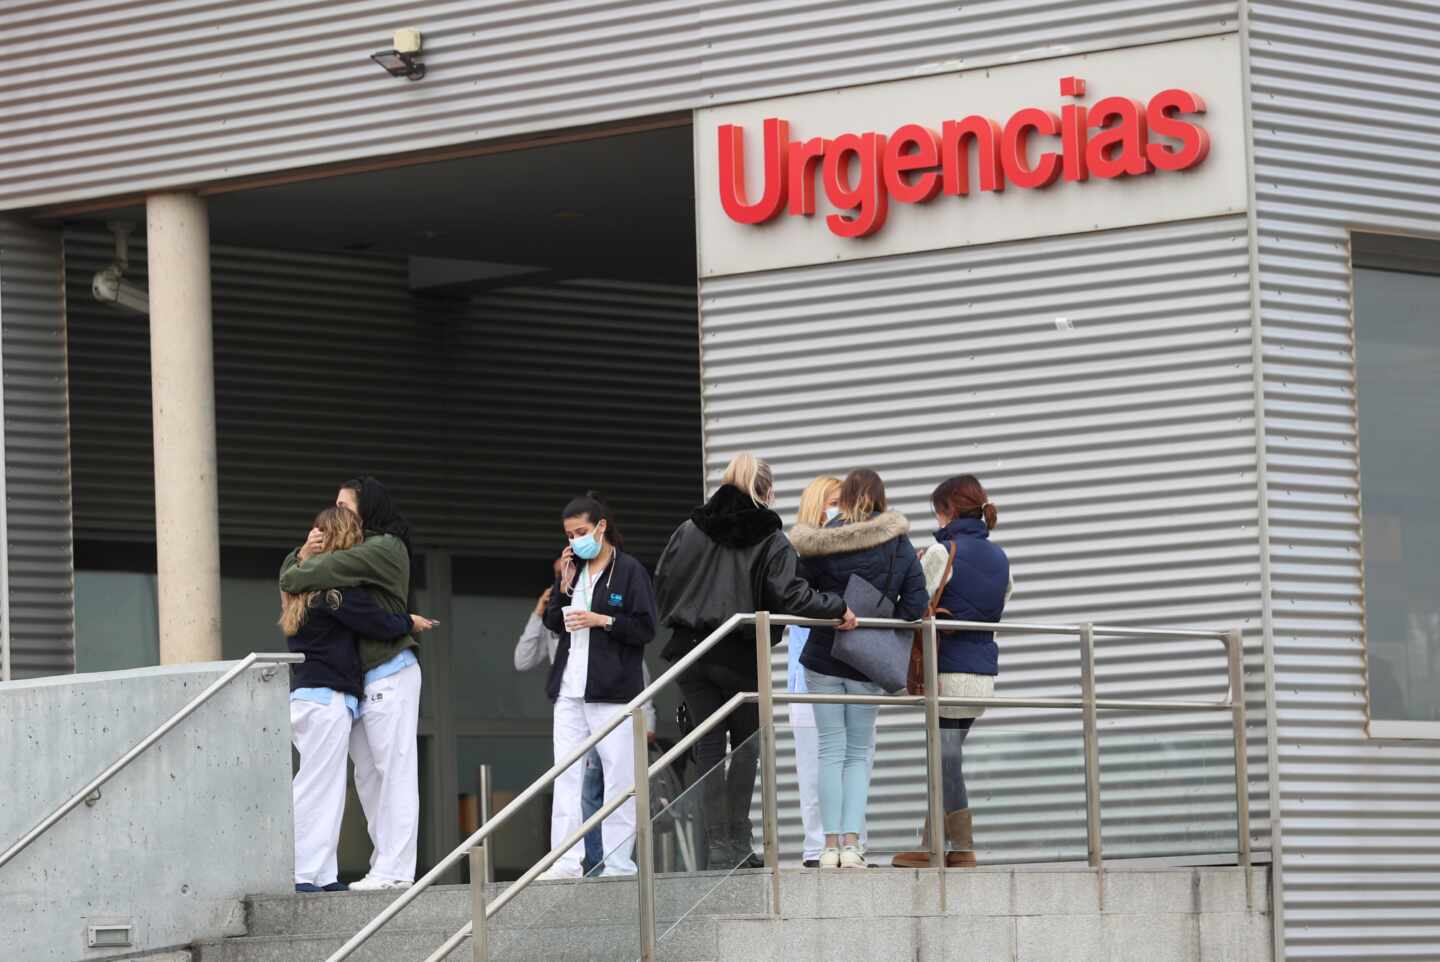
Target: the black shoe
(307, 887)
(811, 863)
(742, 855)
(717, 852)
(335, 887)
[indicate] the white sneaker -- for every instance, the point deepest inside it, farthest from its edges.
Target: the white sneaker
(555, 874)
(829, 858)
(368, 884)
(852, 856)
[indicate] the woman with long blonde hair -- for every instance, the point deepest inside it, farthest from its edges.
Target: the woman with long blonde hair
(731, 557)
(819, 502)
(326, 626)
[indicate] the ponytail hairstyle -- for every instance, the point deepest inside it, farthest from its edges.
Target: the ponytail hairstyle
(341, 529)
(963, 496)
(862, 494)
(592, 507)
(812, 502)
(752, 476)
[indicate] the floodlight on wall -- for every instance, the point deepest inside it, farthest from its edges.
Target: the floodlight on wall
(402, 60)
(110, 286)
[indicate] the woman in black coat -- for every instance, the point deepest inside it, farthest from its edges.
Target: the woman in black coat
(872, 543)
(731, 557)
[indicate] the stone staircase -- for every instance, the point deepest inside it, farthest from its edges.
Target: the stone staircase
(879, 915)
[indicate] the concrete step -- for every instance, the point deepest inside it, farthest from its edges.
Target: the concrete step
(1166, 915)
(448, 906)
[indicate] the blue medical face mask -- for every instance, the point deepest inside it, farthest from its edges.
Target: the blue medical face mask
(586, 546)
(831, 514)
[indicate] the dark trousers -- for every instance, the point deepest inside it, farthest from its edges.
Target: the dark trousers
(727, 789)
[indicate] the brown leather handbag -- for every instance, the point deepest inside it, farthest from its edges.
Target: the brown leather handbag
(915, 678)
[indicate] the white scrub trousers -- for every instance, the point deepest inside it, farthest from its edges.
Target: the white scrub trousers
(321, 734)
(387, 772)
(575, 720)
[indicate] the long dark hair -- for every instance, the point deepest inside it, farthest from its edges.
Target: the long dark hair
(862, 494)
(377, 512)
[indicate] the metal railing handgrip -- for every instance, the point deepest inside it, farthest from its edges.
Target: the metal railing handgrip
(115, 767)
(994, 701)
(1016, 627)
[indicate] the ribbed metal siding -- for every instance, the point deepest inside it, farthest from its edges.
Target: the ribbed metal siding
(107, 97)
(483, 416)
(771, 47)
(36, 455)
(1346, 129)
(111, 98)
(1121, 454)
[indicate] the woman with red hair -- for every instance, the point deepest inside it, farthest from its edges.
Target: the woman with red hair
(976, 589)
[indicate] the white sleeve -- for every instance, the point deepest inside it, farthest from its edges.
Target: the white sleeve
(530, 650)
(933, 564)
(1010, 588)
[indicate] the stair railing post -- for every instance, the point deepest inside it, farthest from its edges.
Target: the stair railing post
(486, 789)
(1091, 735)
(934, 761)
(479, 942)
(770, 816)
(1235, 652)
(644, 836)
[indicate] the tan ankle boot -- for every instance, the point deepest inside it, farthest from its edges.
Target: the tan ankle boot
(920, 859)
(959, 840)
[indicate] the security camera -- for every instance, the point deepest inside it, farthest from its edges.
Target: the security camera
(110, 287)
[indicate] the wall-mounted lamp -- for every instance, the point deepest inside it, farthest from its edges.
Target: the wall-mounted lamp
(402, 60)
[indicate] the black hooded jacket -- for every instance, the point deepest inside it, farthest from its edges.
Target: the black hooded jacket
(731, 556)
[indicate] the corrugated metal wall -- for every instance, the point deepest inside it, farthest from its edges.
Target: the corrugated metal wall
(769, 47)
(483, 415)
(36, 454)
(108, 97)
(1120, 447)
(1346, 133)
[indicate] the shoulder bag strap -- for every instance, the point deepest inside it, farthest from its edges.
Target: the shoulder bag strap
(944, 581)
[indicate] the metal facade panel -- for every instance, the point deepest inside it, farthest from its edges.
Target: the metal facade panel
(1346, 133)
(326, 366)
(765, 48)
(37, 450)
(1101, 386)
(113, 97)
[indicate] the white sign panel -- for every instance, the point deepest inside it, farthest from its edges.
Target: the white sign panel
(1091, 142)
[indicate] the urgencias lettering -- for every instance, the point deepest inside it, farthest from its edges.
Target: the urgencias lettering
(862, 173)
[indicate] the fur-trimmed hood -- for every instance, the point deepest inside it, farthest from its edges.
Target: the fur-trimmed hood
(812, 542)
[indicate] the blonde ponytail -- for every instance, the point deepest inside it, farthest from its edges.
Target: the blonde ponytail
(752, 476)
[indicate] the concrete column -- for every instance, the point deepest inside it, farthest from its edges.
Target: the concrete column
(182, 378)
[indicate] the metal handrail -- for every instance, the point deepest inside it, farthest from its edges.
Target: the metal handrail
(254, 658)
(535, 788)
(1088, 703)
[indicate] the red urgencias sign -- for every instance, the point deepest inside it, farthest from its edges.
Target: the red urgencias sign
(1111, 138)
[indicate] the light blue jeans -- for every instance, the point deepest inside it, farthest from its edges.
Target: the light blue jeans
(845, 733)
